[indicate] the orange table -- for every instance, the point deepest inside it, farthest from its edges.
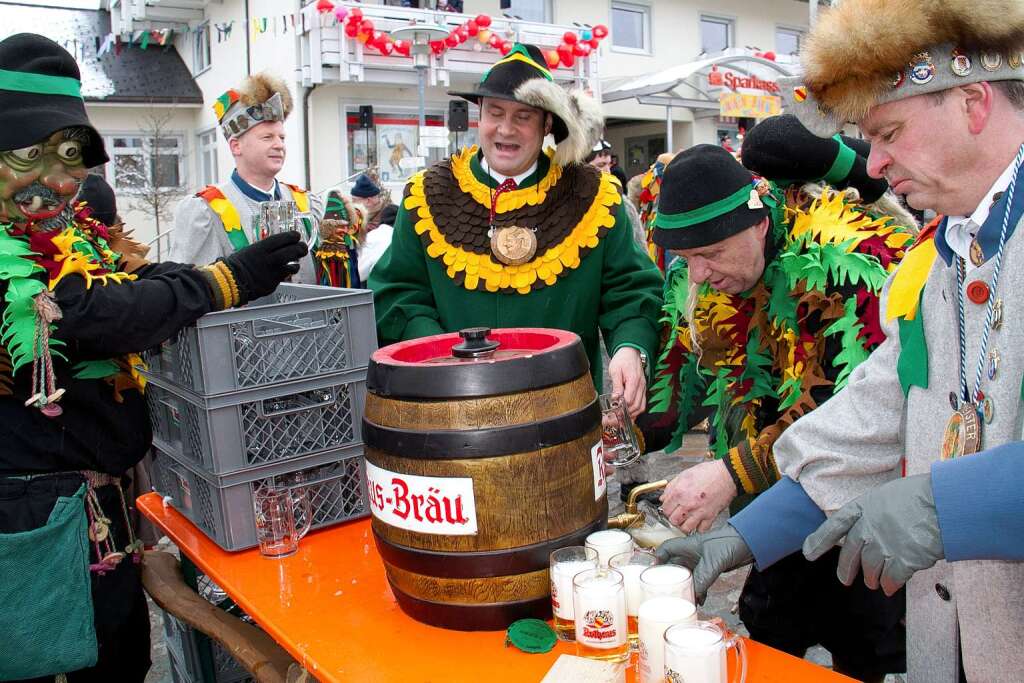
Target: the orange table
(330, 606)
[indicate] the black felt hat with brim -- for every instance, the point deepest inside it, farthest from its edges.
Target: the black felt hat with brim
(781, 149)
(40, 94)
(706, 196)
(523, 63)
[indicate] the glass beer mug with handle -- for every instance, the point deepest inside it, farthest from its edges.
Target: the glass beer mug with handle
(617, 436)
(277, 530)
(278, 216)
(696, 653)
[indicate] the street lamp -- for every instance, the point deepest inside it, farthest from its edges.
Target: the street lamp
(419, 37)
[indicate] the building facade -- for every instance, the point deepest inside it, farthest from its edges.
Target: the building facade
(334, 76)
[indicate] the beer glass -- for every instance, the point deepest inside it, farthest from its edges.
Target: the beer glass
(631, 565)
(599, 605)
(276, 529)
(667, 579)
(617, 435)
(274, 217)
(609, 543)
(696, 653)
(656, 616)
(565, 564)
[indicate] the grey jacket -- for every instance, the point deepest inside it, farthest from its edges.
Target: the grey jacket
(199, 235)
(859, 438)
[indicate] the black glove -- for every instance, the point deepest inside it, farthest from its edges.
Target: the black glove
(259, 268)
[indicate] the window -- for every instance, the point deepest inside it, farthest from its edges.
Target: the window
(392, 145)
(529, 10)
(142, 164)
(715, 34)
(207, 148)
(201, 48)
(631, 26)
(788, 40)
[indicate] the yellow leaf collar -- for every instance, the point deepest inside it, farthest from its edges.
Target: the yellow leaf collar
(73, 261)
(507, 201)
(483, 273)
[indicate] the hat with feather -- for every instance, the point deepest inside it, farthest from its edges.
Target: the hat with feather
(522, 75)
(862, 53)
(260, 98)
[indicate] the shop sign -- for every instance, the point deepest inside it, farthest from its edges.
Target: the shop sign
(747, 105)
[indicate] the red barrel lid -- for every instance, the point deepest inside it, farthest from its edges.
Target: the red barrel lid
(525, 358)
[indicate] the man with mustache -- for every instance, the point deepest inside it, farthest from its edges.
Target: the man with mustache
(219, 219)
(77, 302)
(512, 235)
(928, 430)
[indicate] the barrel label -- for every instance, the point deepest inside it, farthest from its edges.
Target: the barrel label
(430, 505)
(597, 460)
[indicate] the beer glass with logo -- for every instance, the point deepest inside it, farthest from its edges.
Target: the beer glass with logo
(631, 565)
(656, 616)
(696, 653)
(609, 543)
(566, 563)
(667, 579)
(599, 604)
(276, 529)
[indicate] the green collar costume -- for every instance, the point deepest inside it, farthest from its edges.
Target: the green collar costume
(772, 354)
(588, 274)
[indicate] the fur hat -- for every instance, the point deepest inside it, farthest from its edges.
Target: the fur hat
(522, 76)
(261, 97)
(867, 52)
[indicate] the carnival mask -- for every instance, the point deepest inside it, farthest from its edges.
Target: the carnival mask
(38, 182)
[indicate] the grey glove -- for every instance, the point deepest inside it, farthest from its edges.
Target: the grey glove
(708, 555)
(891, 533)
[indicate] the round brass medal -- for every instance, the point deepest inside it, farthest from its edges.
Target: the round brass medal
(963, 433)
(513, 245)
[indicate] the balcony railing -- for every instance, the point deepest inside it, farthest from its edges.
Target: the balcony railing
(128, 16)
(327, 55)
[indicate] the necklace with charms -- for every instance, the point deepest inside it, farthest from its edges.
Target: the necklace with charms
(963, 432)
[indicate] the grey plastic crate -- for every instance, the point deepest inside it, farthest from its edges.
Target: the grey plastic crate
(222, 507)
(254, 427)
(297, 332)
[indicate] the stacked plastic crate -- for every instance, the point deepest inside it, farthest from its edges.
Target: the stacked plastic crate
(270, 394)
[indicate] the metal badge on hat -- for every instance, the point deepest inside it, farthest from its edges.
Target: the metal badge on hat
(960, 63)
(922, 69)
(1014, 60)
(991, 61)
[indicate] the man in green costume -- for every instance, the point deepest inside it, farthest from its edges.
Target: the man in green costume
(511, 235)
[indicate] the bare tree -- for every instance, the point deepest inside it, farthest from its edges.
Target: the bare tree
(153, 176)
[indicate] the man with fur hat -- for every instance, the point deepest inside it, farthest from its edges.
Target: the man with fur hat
(511, 235)
(218, 220)
(78, 302)
(927, 432)
(772, 304)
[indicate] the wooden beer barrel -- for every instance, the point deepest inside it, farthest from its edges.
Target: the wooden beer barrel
(478, 467)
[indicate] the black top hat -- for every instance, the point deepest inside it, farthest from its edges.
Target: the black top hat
(99, 197)
(40, 94)
(706, 196)
(781, 149)
(521, 64)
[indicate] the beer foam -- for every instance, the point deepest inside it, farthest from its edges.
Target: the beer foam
(667, 609)
(693, 637)
(634, 592)
(562, 574)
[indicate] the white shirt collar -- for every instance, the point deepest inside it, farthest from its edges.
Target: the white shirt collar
(961, 230)
(501, 178)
